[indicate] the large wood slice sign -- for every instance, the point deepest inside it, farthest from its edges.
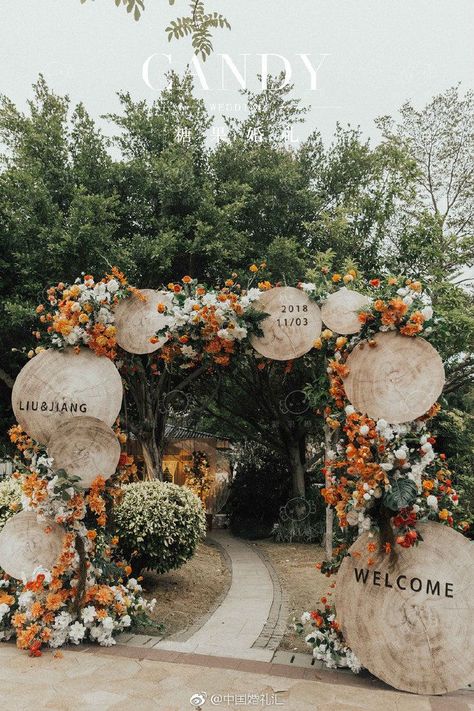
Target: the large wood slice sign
(411, 623)
(340, 311)
(85, 447)
(56, 386)
(397, 380)
(27, 543)
(138, 320)
(292, 325)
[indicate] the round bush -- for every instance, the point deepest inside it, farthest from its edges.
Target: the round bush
(10, 496)
(159, 525)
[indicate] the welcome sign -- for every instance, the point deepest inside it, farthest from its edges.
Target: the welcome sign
(55, 386)
(411, 621)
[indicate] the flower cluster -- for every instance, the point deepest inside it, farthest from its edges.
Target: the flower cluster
(82, 314)
(206, 326)
(84, 595)
(397, 304)
(381, 476)
(323, 635)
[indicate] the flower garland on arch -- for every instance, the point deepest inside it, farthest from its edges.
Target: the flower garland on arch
(380, 478)
(87, 594)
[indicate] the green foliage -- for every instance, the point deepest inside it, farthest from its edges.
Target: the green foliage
(402, 495)
(159, 525)
(10, 499)
(259, 488)
(198, 25)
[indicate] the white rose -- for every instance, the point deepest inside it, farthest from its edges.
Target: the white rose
(432, 502)
(427, 312)
(364, 430)
(349, 410)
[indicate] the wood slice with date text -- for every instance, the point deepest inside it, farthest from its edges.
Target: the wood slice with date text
(398, 380)
(137, 321)
(27, 543)
(56, 386)
(340, 311)
(292, 325)
(85, 447)
(411, 623)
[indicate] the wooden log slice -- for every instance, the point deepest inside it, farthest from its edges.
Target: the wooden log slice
(340, 311)
(85, 447)
(412, 623)
(292, 325)
(56, 386)
(398, 380)
(137, 321)
(25, 544)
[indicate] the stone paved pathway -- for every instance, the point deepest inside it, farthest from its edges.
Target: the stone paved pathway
(239, 621)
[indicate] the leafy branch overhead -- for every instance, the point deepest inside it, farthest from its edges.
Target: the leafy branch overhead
(198, 24)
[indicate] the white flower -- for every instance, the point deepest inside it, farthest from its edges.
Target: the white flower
(432, 502)
(88, 614)
(76, 632)
(25, 598)
(401, 453)
(188, 351)
(113, 286)
(305, 617)
(126, 620)
(4, 609)
(108, 623)
(403, 292)
(308, 287)
(62, 621)
(386, 466)
(381, 424)
(364, 430)
(239, 332)
(427, 312)
(349, 409)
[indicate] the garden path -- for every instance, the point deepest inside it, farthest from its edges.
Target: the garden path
(245, 623)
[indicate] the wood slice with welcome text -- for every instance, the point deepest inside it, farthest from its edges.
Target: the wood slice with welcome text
(340, 311)
(398, 380)
(26, 544)
(85, 447)
(411, 624)
(292, 325)
(137, 321)
(56, 386)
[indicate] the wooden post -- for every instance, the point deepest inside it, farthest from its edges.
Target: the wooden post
(328, 438)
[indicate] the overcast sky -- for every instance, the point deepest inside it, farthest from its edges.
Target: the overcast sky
(372, 54)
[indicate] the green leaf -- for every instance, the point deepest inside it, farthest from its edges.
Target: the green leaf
(402, 494)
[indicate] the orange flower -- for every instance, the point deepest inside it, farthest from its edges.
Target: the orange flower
(54, 601)
(161, 308)
(443, 514)
(186, 280)
(336, 278)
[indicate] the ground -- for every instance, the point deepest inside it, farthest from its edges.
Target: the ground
(304, 584)
(184, 595)
(120, 679)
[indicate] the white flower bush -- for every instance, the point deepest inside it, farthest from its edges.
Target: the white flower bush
(10, 499)
(159, 525)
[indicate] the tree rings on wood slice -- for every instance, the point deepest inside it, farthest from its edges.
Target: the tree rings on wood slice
(292, 325)
(137, 321)
(398, 380)
(411, 623)
(56, 386)
(340, 311)
(27, 542)
(85, 447)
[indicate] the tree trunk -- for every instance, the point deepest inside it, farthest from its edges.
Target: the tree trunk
(152, 456)
(297, 468)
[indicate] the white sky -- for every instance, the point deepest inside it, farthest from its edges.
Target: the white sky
(380, 52)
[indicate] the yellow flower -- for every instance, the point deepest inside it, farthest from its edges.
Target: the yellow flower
(347, 278)
(326, 334)
(341, 341)
(318, 344)
(253, 268)
(31, 354)
(443, 514)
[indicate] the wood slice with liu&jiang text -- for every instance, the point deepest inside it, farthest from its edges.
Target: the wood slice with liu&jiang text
(56, 386)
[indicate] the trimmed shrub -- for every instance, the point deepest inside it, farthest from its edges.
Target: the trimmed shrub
(10, 499)
(159, 525)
